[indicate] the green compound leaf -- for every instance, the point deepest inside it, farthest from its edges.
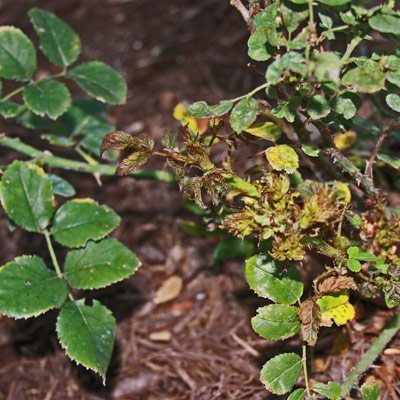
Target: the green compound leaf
(17, 54)
(61, 186)
(199, 109)
(80, 220)
(385, 23)
(58, 41)
(393, 101)
(47, 97)
(27, 196)
(370, 392)
(264, 277)
(366, 80)
(99, 264)
(259, 48)
(265, 130)
(28, 288)
(281, 372)
(331, 390)
(100, 81)
(276, 322)
(8, 109)
(282, 157)
(318, 107)
(243, 114)
(298, 394)
(87, 334)
(393, 162)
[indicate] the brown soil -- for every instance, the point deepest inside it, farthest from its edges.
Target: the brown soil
(168, 50)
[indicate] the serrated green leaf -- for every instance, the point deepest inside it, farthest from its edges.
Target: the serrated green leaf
(276, 322)
(393, 162)
(311, 151)
(385, 23)
(264, 276)
(17, 54)
(282, 157)
(8, 109)
(87, 334)
(99, 264)
(47, 97)
(281, 372)
(353, 251)
(370, 392)
(232, 247)
(393, 101)
(80, 220)
(199, 109)
(354, 218)
(28, 288)
(61, 186)
(259, 48)
(318, 107)
(365, 79)
(290, 61)
(27, 196)
(58, 41)
(298, 394)
(243, 114)
(267, 18)
(100, 81)
(331, 390)
(354, 265)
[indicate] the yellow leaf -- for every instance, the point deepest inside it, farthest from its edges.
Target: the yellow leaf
(345, 140)
(336, 307)
(195, 125)
(343, 191)
(169, 290)
(265, 130)
(282, 157)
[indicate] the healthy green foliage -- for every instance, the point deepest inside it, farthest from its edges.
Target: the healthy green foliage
(370, 392)
(331, 390)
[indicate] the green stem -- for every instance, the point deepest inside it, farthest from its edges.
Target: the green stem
(257, 89)
(369, 357)
(53, 254)
(12, 94)
(311, 28)
(108, 170)
(350, 48)
(304, 359)
(90, 160)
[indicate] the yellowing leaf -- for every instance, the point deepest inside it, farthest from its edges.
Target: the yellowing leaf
(345, 140)
(343, 191)
(195, 125)
(336, 307)
(282, 157)
(169, 290)
(265, 130)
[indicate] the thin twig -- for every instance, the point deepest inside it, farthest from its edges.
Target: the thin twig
(244, 12)
(370, 163)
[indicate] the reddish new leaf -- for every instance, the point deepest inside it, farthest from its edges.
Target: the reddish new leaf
(336, 284)
(310, 317)
(118, 141)
(132, 162)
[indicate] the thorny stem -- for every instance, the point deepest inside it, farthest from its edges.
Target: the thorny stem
(370, 163)
(46, 158)
(304, 359)
(369, 357)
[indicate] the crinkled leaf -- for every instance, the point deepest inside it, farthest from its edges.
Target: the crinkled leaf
(354, 218)
(117, 141)
(243, 114)
(244, 186)
(392, 294)
(344, 106)
(282, 157)
(365, 79)
(293, 14)
(233, 247)
(132, 162)
(221, 108)
(393, 101)
(267, 18)
(80, 220)
(370, 392)
(393, 162)
(331, 390)
(265, 130)
(264, 276)
(8, 109)
(61, 186)
(310, 317)
(100, 81)
(28, 288)
(326, 66)
(336, 284)
(99, 264)
(385, 23)
(199, 109)
(281, 372)
(17, 54)
(298, 394)
(47, 97)
(311, 151)
(87, 334)
(27, 196)
(290, 61)
(318, 107)
(336, 306)
(259, 48)
(276, 322)
(58, 41)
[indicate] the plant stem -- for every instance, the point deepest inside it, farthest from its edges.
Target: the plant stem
(12, 94)
(45, 158)
(370, 163)
(257, 89)
(350, 48)
(53, 254)
(244, 12)
(369, 357)
(304, 359)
